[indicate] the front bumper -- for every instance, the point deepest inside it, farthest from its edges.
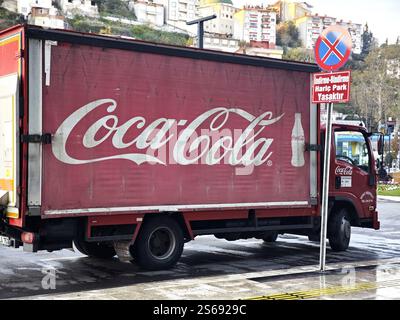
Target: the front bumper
(372, 222)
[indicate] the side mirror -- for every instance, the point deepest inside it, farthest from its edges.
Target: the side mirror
(381, 144)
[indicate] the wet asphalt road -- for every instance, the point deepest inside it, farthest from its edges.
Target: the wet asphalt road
(21, 273)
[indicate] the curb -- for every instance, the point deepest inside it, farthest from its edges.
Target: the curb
(389, 198)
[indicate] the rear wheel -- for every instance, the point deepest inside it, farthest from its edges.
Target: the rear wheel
(159, 244)
(339, 230)
(99, 250)
(270, 237)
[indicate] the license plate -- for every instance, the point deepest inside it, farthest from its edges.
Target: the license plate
(5, 241)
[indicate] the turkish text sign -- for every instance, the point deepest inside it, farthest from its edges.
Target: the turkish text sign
(331, 87)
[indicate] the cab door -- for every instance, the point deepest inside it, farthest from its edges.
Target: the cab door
(353, 170)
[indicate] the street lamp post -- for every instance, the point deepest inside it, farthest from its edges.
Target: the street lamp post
(200, 28)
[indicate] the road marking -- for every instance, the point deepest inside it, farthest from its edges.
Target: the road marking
(315, 293)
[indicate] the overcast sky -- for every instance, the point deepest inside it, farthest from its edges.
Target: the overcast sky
(383, 16)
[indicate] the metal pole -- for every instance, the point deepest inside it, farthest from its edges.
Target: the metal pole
(200, 28)
(325, 188)
(200, 34)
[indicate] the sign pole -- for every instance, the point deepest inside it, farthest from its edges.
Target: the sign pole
(325, 188)
(332, 50)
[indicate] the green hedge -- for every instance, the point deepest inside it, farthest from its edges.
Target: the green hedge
(140, 32)
(389, 189)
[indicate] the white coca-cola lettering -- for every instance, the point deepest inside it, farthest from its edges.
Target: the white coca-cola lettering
(344, 171)
(157, 134)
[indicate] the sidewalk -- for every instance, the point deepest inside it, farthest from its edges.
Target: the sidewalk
(375, 280)
(389, 198)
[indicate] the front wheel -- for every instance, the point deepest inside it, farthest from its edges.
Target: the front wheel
(159, 244)
(339, 230)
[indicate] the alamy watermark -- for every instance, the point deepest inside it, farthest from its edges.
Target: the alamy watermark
(49, 280)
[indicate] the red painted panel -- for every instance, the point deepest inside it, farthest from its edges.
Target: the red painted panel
(89, 167)
(9, 51)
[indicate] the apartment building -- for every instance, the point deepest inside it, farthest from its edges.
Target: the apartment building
(254, 23)
(82, 7)
(223, 24)
(178, 12)
(149, 12)
(46, 17)
(288, 10)
(311, 27)
(355, 31)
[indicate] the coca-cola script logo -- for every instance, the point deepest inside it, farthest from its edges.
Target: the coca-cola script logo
(344, 171)
(243, 146)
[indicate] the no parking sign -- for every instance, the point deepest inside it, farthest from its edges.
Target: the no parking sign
(333, 48)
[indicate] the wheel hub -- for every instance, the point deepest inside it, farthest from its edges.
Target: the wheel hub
(346, 228)
(161, 243)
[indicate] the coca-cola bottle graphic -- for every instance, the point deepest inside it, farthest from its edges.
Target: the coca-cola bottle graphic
(298, 142)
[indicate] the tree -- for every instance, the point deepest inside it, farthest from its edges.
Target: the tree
(395, 145)
(385, 44)
(243, 45)
(287, 35)
(355, 62)
(368, 41)
(85, 24)
(375, 91)
(299, 54)
(116, 8)
(146, 33)
(8, 18)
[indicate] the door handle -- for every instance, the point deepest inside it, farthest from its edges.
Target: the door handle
(338, 182)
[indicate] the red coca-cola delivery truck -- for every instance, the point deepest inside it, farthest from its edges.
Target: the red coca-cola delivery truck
(121, 146)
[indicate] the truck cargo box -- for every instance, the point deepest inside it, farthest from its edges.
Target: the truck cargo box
(144, 127)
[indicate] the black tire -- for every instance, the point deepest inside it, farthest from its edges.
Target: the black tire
(159, 244)
(95, 249)
(78, 246)
(271, 237)
(339, 230)
(314, 237)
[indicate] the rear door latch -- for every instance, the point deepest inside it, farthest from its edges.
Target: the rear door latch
(313, 147)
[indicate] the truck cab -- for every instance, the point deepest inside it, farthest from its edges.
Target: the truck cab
(352, 184)
(355, 176)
